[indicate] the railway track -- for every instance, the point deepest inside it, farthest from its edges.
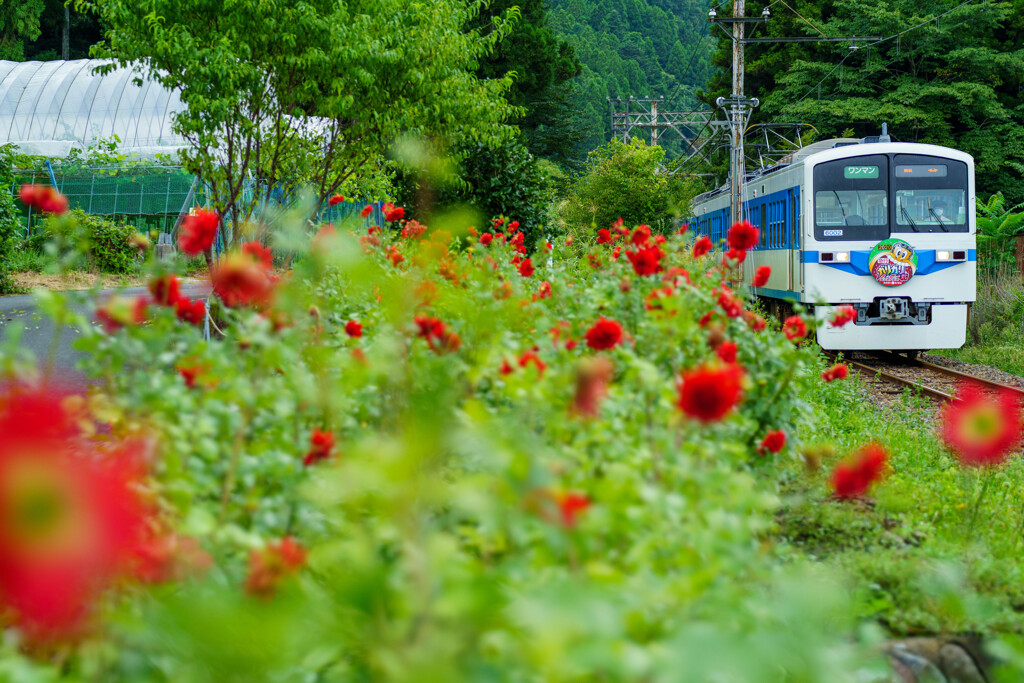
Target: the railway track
(932, 381)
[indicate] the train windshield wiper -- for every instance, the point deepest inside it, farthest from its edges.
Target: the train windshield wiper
(938, 220)
(906, 215)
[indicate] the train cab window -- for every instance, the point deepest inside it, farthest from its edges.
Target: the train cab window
(851, 198)
(929, 194)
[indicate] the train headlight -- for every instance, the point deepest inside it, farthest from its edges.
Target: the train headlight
(843, 256)
(942, 256)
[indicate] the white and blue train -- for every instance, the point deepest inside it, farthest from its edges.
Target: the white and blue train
(885, 227)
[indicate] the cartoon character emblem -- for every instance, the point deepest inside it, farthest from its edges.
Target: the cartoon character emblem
(892, 262)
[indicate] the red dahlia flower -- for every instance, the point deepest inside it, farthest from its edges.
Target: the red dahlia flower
(794, 328)
(526, 268)
(571, 505)
(367, 210)
(271, 565)
(683, 228)
(336, 199)
(258, 253)
(726, 351)
(320, 446)
(393, 213)
(189, 311)
(486, 238)
(71, 516)
(604, 334)
(855, 475)
(395, 256)
(513, 226)
(119, 311)
(640, 235)
(982, 429)
(531, 357)
(604, 236)
(754, 321)
(709, 392)
(544, 291)
(730, 303)
(743, 236)
(761, 276)
(843, 315)
(44, 198)
(701, 246)
(437, 335)
(241, 281)
(198, 232)
(773, 442)
(166, 290)
(737, 255)
(837, 371)
(646, 261)
(353, 329)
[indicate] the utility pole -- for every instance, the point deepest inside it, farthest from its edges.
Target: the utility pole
(739, 106)
(65, 41)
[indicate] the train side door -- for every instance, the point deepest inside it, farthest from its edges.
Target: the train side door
(793, 239)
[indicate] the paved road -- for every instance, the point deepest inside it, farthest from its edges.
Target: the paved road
(39, 329)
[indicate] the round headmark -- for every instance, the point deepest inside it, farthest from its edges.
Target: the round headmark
(892, 262)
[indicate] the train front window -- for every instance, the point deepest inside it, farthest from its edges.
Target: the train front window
(851, 207)
(851, 198)
(931, 209)
(929, 194)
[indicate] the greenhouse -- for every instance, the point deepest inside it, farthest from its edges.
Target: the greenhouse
(50, 109)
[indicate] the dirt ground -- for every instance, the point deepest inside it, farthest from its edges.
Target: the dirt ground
(75, 280)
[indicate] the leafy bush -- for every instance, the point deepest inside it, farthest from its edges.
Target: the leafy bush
(999, 229)
(10, 229)
(92, 242)
(625, 180)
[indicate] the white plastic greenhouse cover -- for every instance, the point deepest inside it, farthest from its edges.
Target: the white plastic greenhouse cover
(50, 107)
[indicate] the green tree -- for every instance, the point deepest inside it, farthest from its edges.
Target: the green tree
(625, 180)
(308, 94)
(955, 79)
(19, 22)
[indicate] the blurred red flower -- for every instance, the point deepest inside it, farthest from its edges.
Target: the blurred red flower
(743, 236)
(571, 504)
(855, 475)
(709, 392)
(395, 256)
(271, 565)
(367, 210)
(353, 329)
(526, 268)
(119, 311)
(513, 226)
(837, 371)
(737, 255)
(437, 335)
(44, 198)
(604, 236)
(701, 246)
(393, 213)
(592, 377)
(241, 281)
(843, 315)
(531, 356)
(754, 321)
(730, 303)
(604, 334)
(683, 228)
(198, 231)
(794, 328)
(485, 239)
(166, 290)
(506, 367)
(646, 261)
(320, 446)
(726, 351)
(71, 517)
(544, 291)
(336, 199)
(981, 428)
(189, 311)
(258, 253)
(640, 235)
(773, 442)
(761, 276)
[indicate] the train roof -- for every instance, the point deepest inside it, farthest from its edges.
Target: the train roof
(799, 155)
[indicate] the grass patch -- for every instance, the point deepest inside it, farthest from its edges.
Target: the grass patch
(915, 556)
(996, 324)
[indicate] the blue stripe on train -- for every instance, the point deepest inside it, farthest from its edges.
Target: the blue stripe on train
(858, 265)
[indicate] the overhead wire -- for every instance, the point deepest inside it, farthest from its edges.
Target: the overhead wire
(872, 44)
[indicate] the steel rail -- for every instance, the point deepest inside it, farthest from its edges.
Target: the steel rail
(934, 394)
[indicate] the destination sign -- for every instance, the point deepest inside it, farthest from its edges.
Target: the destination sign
(921, 171)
